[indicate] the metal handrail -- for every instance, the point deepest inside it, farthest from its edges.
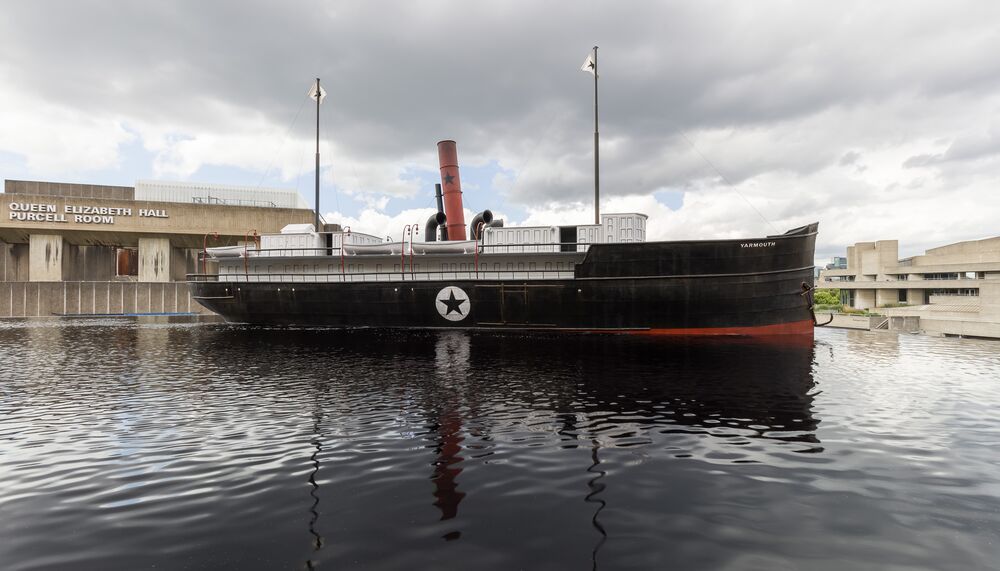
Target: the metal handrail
(437, 275)
(527, 249)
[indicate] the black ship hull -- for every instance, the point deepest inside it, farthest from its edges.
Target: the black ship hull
(717, 287)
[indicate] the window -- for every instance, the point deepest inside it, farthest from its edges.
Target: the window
(128, 262)
(902, 296)
(847, 297)
(954, 291)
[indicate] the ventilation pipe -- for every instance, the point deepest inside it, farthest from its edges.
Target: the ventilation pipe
(497, 223)
(479, 221)
(444, 229)
(431, 227)
(452, 185)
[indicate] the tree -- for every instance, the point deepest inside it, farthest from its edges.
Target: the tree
(827, 297)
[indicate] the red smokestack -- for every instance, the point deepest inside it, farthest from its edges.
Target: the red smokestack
(452, 185)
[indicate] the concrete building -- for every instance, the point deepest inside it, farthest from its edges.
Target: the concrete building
(953, 290)
(837, 263)
(58, 240)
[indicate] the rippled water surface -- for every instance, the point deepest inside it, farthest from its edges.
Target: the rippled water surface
(134, 445)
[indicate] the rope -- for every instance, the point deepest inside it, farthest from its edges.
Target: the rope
(726, 180)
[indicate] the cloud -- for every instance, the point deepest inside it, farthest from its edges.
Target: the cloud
(966, 147)
(857, 114)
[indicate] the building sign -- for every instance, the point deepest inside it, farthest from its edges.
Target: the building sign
(35, 212)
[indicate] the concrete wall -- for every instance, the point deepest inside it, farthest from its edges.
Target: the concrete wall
(154, 259)
(904, 323)
(888, 255)
(864, 299)
(89, 263)
(13, 262)
(45, 258)
(842, 321)
(962, 327)
(986, 250)
(46, 299)
(182, 263)
(886, 296)
(184, 224)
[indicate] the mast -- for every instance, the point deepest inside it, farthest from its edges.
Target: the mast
(318, 97)
(597, 167)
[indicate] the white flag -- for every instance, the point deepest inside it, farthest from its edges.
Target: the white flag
(312, 93)
(590, 65)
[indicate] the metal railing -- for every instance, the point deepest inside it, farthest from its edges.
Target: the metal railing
(397, 248)
(232, 201)
(361, 277)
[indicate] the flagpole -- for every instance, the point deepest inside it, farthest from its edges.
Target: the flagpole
(597, 167)
(317, 228)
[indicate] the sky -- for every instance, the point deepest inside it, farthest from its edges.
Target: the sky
(879, 120)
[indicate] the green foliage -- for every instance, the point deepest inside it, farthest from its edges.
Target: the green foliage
(827, 297)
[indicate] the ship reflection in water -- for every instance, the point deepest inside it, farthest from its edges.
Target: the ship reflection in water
(593, 393)
(222, 446)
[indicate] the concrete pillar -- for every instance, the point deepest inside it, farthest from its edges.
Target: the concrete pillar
(989, 299)
(154, 259)
(183, 262)
(884, 297)
(915, 297)
(45, 253)
(864, 299)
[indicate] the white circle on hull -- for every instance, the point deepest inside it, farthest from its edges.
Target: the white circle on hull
(452, 303)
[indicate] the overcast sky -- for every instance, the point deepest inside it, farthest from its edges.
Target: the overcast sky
(880, 120)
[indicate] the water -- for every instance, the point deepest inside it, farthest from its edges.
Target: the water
(163, 445)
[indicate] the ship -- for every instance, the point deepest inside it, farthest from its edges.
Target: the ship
(601, 278)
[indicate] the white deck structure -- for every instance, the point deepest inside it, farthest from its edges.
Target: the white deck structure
(299, 254)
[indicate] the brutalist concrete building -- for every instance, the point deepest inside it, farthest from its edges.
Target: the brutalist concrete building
(951, 290)
(81, 249)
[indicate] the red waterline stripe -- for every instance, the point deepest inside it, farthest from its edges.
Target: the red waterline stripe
(794, 328)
